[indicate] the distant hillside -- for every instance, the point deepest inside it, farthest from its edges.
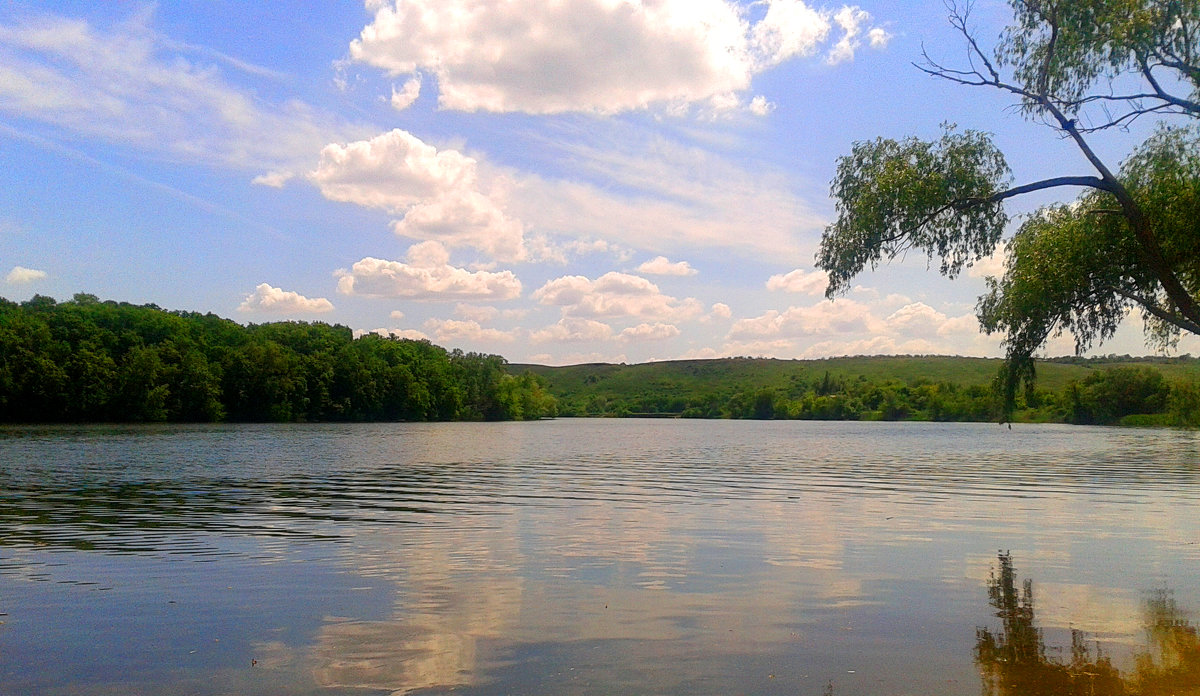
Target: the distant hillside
(891, 387)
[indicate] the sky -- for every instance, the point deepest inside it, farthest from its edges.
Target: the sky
(554, 181)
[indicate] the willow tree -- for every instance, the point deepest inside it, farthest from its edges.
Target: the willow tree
(1131, 237)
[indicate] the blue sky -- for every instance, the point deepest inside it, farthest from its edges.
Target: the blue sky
(556, 182)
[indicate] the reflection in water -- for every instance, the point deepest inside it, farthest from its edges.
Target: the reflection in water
(586, 557)
(1014, 661)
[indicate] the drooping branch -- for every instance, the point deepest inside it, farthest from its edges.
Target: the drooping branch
(1083, 181)
(1148, 243)
(1156, 310)
(964, 204)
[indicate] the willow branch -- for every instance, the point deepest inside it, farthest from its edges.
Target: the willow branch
(1154, 309)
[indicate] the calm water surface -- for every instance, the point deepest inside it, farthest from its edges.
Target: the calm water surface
(583, 556)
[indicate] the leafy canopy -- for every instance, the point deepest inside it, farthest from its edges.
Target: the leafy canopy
(1130, 239)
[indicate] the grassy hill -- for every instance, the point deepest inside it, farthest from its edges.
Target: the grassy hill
(706, 388)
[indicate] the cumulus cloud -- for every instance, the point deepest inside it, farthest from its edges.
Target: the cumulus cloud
(650, 332)
(408, 94)
(409, 334)
(659, 265)
(966, 325)
(436, 191)
(572, 330)
(841, 317)
(759, 106)
(851, 20)
(129, 85)
(790, 28)
(19, 275)
(875, 345)
(392, 171)
(800, 281)
(992, 265)
(272, 300)
(847, 327)
(478, 313)
(614, 295)
(720, 310)
(916, 318)
(426, 275)
(455, 330)
(683, 198)
(878, 38)
(604, 56)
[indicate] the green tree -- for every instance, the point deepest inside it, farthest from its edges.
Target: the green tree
(1130, 240)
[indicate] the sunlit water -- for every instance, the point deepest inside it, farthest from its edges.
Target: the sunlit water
(573, 556)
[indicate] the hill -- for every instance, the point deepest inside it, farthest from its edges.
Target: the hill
(891, 387)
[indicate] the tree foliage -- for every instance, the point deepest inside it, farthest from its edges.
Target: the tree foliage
(1131, 240)
(87, 360)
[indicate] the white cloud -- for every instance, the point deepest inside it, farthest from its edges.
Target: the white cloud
(790, 28)
(706, 353)
(272, 300)
(427, 275)
(396, 315)
(407, 95)
(841, 317)
(604, 56)
(650, 332)
(465, 219)
(992, 265)
(572, 330)
(916, 319)
(966, 325)
(800, 281)
(273, 179)
(393, 171)
(436, 191)
(659, 265)
(477, 313)
(578, 358)
(876, 345)
(455, 330)
(720, 310)
(759, 106)
(851, 20)
(410, 334)
(131, 86)
(686, 198)
(19, 275)
(847, 327)
(878, 38)
(614, 295)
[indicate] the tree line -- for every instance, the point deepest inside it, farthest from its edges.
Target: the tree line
(1125, 394)
(87, 360)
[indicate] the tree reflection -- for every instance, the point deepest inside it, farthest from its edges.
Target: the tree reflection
(1013, 661)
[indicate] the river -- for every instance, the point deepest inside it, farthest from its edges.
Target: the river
(585, 556)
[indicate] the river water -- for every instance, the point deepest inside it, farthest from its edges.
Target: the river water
(582, 556)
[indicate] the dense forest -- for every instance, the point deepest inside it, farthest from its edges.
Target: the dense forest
(88, 360)
(1101, 391)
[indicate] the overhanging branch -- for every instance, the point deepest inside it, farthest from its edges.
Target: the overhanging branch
(1157, 311)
